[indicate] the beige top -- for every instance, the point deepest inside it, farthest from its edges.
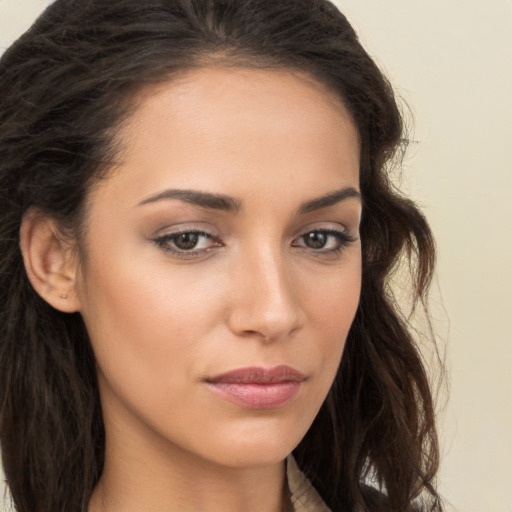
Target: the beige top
(304, 498)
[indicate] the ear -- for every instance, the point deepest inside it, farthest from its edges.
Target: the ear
(50, 261)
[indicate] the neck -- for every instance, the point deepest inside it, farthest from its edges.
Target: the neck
(148, 475)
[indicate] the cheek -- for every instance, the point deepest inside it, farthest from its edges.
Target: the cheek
(333, 303)
(149, 332)
(151, 310)
(332, 308)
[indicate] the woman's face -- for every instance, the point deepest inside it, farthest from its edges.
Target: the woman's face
(222, 266)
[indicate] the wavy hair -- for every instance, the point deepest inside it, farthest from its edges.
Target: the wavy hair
(65, 88)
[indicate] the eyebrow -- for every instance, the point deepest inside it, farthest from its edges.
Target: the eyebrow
(229, 204)
(202, 199)
(329, 199)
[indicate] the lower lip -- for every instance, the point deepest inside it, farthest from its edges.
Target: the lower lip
(257, 396)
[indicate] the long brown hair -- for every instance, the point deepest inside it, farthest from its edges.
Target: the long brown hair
(65, 87)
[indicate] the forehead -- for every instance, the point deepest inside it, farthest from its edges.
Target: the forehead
(243, 83)
(215, 127)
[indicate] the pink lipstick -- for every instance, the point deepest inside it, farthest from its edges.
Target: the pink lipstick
(258, 388)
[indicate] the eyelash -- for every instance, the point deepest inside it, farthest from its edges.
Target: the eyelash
(343, 238)
(164, 243)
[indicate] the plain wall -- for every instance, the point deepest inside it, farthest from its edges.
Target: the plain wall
(451, 60)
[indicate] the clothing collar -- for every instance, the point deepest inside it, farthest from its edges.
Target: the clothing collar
(304, 497)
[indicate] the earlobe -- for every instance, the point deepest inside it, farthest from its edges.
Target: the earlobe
(50, 261)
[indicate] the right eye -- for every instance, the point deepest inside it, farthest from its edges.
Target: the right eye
(187, 243)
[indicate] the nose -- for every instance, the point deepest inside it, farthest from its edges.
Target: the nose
(266, 300)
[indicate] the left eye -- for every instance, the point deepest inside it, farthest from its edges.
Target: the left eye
(324, 240)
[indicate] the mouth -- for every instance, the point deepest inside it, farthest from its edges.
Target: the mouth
(258, 388)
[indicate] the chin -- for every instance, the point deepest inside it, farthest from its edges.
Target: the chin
(249, 456)
(262, 444)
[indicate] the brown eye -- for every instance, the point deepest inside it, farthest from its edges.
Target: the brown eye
(186, 241)
(316, 239)
(324, 240)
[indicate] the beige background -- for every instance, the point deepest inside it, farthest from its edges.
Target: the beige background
(451, 60)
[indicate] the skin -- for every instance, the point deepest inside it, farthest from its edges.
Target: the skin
(251, 293)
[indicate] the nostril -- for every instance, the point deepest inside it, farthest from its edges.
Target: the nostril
(265, 304)
(250, 333)
(267, 328)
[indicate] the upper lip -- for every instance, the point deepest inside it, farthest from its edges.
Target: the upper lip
(259, 375)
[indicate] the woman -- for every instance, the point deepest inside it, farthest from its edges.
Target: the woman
(197, 235)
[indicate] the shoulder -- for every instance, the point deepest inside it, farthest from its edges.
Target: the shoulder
(377, 501)
(303, 496)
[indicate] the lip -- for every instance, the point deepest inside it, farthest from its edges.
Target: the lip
(258, 388)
